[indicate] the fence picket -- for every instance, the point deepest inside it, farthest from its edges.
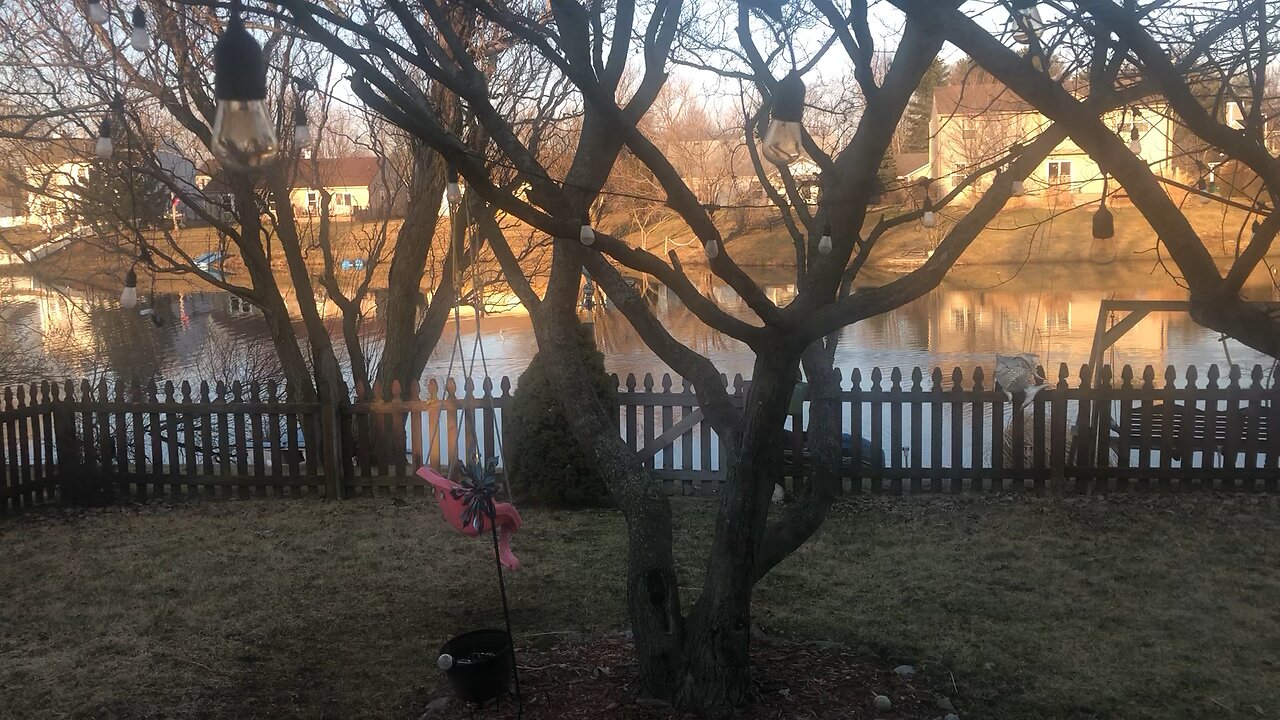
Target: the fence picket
(135, 442)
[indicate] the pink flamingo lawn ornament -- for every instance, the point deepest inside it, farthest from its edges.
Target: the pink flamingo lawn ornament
(456, 503)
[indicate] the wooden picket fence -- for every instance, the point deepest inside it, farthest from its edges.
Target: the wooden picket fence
(935, 433)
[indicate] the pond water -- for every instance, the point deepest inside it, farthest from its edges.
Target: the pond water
(63, 331)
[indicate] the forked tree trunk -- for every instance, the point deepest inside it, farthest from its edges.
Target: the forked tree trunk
(718, 635)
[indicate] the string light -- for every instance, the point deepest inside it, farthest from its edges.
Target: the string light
(140, 39)
(1102, 249)
(103, 148)
(712, 249)
(1135, 139)
(129, 296)
(1203, 189)
(97, 12)
(1018, 188)
(586, 235)
(1026, 21)
(301, 128)
(244, 136)
(783, 140)
(824, 244)
(453, 192)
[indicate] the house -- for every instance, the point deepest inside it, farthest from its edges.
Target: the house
(356, 186)
(975, 123)
(40, 185)
(44, 173)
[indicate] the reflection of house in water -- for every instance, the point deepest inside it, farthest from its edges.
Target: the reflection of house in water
(238, 307)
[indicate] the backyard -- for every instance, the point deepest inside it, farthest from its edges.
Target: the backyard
(1127, 606)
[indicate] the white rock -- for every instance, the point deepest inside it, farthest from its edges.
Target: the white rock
(883, 704)
(778, 493)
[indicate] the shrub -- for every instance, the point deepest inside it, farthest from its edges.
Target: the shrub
(544, 460)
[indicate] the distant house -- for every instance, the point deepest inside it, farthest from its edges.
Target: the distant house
(50, 169)
(356, 187)
(39, 186)
(972, 124)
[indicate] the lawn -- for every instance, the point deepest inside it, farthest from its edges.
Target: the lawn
(1133, 607)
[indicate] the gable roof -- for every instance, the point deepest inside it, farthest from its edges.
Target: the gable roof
(324, 172)
(337, 172)
(910, 162)
(971, 99)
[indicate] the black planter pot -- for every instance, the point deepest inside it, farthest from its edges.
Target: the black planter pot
(481, 664)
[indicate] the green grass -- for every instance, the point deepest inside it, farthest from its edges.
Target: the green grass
(1126, 608)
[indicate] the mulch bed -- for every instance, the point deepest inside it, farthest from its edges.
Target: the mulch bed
(597, 679)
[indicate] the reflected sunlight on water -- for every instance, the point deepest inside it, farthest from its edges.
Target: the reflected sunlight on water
(964, 323)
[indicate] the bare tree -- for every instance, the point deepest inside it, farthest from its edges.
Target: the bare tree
(1199, 60)
(698, 660)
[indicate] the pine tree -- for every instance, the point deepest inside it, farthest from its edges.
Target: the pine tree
(915, 121)
(111, 195)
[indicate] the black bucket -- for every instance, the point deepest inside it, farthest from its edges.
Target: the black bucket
(481, 664)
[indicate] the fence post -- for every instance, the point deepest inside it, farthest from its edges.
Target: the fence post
(331, 444)
(67, 444)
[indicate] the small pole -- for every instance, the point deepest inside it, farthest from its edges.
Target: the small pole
(506, 611)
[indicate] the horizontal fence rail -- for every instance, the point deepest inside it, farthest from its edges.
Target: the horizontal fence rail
(902, 433)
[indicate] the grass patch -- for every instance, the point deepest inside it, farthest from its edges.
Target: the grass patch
(1128, 607)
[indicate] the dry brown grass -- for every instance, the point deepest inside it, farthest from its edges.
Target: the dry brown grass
(1122, 608)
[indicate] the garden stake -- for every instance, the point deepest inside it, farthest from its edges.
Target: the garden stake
(506, 612)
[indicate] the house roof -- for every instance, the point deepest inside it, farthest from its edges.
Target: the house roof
(337, 172)
(39, 152)
(323, 172)
(910, 162)
(970, 99)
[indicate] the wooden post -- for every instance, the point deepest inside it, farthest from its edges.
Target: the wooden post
(64, 431)
(331, 443)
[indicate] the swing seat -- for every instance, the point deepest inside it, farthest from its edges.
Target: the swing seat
(508, 519)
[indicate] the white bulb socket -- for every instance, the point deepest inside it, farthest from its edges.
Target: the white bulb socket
(97, 12)
(140, 39)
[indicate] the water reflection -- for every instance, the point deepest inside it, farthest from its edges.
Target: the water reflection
(977, 312)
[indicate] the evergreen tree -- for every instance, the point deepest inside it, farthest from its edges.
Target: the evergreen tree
(915, 121)
(111, 195)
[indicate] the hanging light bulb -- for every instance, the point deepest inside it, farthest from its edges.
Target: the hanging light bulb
(928, 219)
(1026, 21)
(824, 245)
(712, 249)
(452, 191)
(102, 148)
(301, 128)
(140, 39)
(586, 235)
(97, 12)
(129, 296)
(1203, 196)
(782, 141)
(1018, 188)
(1135, 141)
(1102, 249)
(244, 136)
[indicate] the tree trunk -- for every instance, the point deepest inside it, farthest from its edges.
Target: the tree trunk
(718, 675)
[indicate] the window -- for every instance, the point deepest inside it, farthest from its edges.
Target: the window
(313, 201)
(342, 199)
(1059, 172)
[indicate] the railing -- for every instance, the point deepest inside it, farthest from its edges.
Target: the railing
(920, 433)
